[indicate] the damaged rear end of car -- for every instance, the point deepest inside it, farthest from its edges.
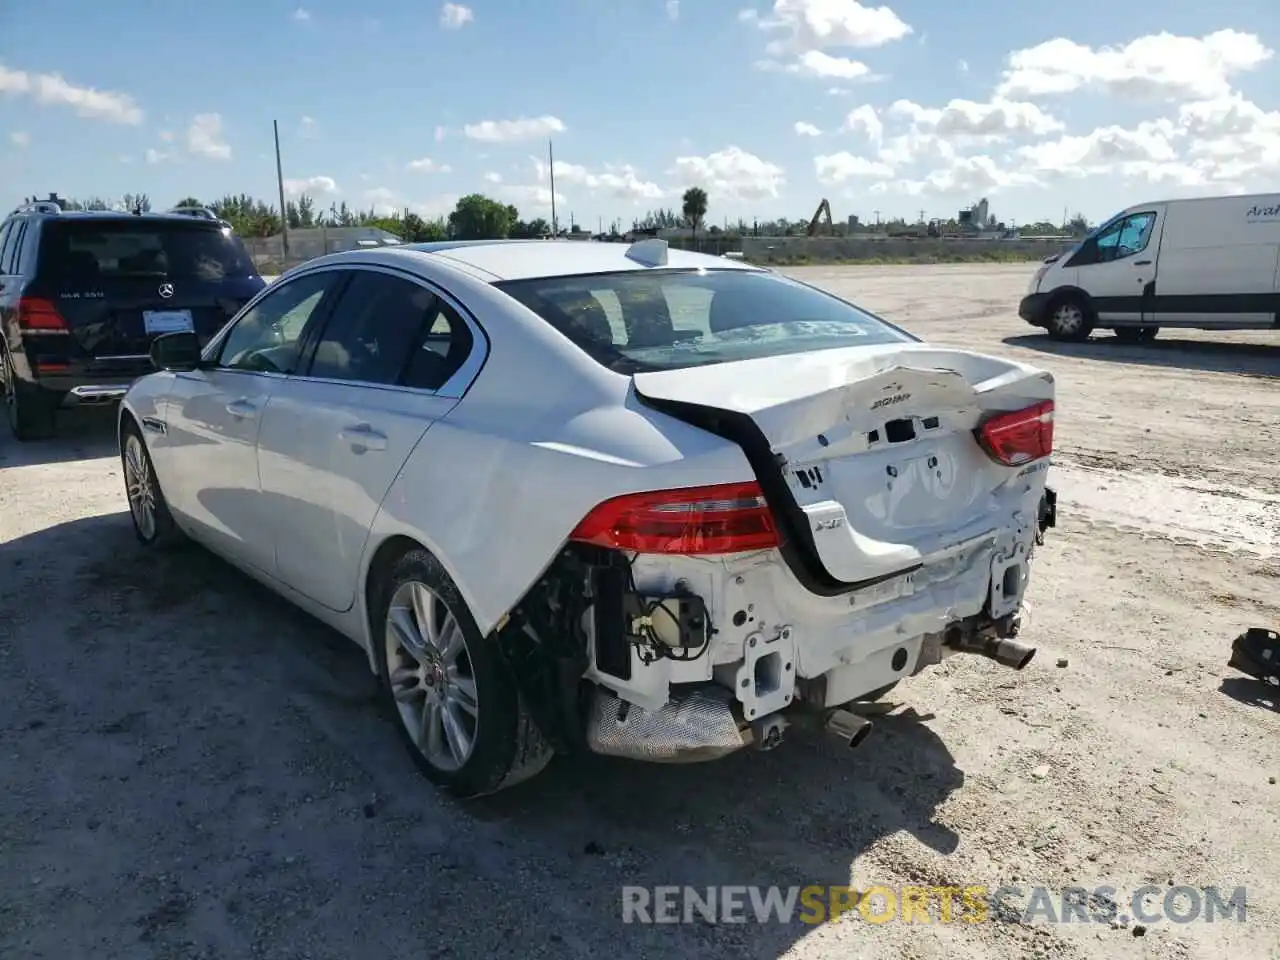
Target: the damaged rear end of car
(896, 494)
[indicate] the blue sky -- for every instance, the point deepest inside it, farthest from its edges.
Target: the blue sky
(770, 106)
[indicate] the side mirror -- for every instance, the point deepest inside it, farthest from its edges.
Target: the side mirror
(178, 351)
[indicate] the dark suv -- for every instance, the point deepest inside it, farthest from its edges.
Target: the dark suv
(83, 294)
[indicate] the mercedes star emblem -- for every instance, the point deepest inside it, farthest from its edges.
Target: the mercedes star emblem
(166, 290)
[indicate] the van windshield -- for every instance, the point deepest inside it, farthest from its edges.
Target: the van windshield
(90, 250)
(639, 321)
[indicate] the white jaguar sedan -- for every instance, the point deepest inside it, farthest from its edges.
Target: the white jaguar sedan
(597, 497)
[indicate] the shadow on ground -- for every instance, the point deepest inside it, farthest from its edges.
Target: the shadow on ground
(1260, 359)
(1251, 692)
(81, 435)
(193, 765)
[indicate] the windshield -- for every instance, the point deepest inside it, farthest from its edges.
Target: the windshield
(668, 319)
(86, 251)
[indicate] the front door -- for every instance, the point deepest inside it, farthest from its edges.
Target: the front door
(213, 416)
(335, 437)
(1125, 264)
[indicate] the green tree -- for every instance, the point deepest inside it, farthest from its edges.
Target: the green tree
(694, 208)
(477, 217)
(301, 213)
(189, 202)
(136, 201)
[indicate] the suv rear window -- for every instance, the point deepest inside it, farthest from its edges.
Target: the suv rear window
(85, 251)
(668, 319)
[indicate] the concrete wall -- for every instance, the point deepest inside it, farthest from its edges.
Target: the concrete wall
(846, 249)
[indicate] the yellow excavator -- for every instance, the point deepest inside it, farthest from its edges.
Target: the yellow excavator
(823, 208)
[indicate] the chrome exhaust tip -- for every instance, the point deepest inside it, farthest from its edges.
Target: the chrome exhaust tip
(848, 728)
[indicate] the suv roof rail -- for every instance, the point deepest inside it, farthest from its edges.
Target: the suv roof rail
(38, 206)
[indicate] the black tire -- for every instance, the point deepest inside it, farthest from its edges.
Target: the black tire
(163, 533)
(31, 412)
(1070, 318)
(507, 746)
(1136, 334)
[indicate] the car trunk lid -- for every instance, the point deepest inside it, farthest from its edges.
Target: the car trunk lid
(872, 452)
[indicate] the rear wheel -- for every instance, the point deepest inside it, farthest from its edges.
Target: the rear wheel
(458, 709)
(1070, 319)
(1136, 334)
(29, 410)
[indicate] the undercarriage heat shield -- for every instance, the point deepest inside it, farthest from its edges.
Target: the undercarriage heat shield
(693, 726)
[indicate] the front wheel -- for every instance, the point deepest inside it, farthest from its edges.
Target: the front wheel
(458, 709)
(1136, 334)
(152, 522)
(1070, 319)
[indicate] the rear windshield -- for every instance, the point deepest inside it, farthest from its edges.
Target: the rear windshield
(86, 251)
(668, 319)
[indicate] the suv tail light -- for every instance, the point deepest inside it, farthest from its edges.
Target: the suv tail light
(725, 518)
(1019, 437)
(39, 314)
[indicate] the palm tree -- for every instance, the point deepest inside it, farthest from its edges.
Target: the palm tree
(695, 209)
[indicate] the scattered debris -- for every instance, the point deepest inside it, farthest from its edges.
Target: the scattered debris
(1062, 662)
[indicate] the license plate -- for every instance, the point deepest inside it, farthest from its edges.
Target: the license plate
(167, 321)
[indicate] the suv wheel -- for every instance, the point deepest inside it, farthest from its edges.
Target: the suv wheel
(29, 410)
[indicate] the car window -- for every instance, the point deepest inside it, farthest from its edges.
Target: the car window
(7, 235)
(1125, 237)
(19, 237)
(372, 330)
(682, 318)
(84, 252)
(268, 338)
(445, 345)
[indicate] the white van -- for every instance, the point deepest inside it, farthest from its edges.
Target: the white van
(1203, 264)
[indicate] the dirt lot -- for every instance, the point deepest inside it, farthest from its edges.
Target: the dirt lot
(192, 769)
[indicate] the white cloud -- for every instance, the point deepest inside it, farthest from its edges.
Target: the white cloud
(324, 186)
(504, 131)
(531, 195)
(964, 177)
(427, 165)
(963, 66)
(454, 15)
(435, 207)
(1107, 148)
(166, 136)
(620, 181)
(440, 133)
(205, 137)
(1159, 66)
(815, 63)
(50, 89)
(383, 201)
(157, 156)
(733, 173)
(492, 177)
(807, 129)
(825, 24)
(865, 119)
(302, 15)
(838, 168)
(673, 9)
(307, 128)
(20, 138)
(996, 120)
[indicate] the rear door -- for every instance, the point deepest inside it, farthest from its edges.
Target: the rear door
(334, 438)
(121, 281)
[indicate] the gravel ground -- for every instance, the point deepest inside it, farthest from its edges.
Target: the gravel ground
(193, 769)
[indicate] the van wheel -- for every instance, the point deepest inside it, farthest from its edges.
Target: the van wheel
(1136, 334)
(29, 410)
(456, 706)
(1070, 319)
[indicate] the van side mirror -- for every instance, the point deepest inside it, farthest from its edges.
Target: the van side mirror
(178, 351)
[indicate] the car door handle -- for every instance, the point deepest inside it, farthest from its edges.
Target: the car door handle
(363, 437)
(242, 409)
(1142, 263)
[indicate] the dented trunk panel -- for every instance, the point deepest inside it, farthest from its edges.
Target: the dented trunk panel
(873, 448)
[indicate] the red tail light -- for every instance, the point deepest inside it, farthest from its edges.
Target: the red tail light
(37, 313)
(726, 518)
(1019, 437)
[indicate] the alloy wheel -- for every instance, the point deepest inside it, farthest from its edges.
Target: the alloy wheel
(140, 486)
(431, 676)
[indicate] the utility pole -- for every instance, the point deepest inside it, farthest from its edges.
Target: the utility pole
(877, 213)
(551, 169)
(284, 211)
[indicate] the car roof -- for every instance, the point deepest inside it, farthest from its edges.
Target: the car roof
(530, 259)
